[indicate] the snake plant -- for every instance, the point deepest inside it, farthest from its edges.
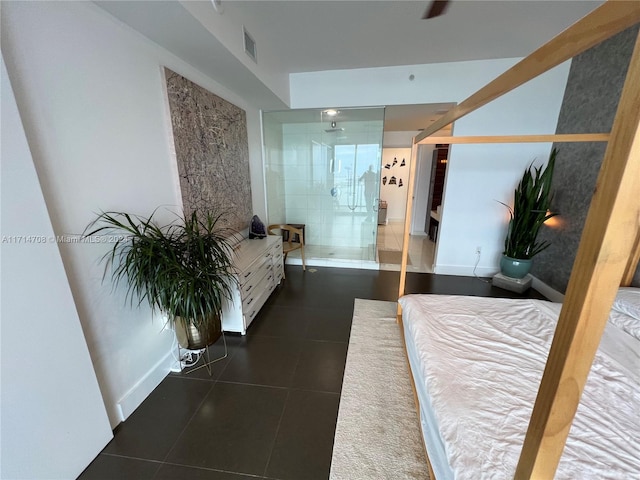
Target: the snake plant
(531, 208)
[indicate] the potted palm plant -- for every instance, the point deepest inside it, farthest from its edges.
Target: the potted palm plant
(531, 208)
(183, 269)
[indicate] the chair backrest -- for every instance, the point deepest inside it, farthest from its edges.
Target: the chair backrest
(292, 232)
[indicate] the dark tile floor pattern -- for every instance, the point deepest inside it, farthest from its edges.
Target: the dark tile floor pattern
(268, 410)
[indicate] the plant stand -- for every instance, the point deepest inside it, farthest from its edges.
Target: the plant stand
(517, 285)
(204, 355)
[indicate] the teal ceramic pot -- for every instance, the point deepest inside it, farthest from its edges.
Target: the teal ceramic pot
(514, 267)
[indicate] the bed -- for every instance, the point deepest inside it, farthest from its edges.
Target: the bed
(461, 350)
(608, 254)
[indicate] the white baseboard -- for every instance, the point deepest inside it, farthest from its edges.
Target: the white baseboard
(464, 270)
(141, 390)
(549, 292)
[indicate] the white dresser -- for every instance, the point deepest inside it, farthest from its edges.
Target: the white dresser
(259, 265)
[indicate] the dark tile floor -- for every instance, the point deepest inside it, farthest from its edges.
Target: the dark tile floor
(269, 409)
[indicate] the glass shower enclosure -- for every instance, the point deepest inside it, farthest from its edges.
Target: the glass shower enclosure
(322, 170)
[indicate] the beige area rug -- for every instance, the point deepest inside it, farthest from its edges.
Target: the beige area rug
(377, 435)
(391, 256)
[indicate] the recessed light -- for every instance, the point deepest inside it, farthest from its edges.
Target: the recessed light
(331, 112)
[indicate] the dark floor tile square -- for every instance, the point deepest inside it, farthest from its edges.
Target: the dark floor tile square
(263, 361)
(233, 430)
(279, 321)
(329, 324)
(179, 472)
(216, 355)
(305, 438)
(110, 467)
(302, 298)
(321, 366)
(153, 428)
(321, 289)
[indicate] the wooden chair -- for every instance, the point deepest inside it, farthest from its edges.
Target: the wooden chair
(288, 245)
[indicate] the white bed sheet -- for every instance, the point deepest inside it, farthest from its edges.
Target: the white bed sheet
(480, 361)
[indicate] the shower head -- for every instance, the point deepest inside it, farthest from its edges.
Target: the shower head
(333, 128)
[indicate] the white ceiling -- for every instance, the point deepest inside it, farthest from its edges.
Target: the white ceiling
(326, 35)
(310, 35)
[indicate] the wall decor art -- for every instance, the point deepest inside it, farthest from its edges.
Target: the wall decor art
(212, 152)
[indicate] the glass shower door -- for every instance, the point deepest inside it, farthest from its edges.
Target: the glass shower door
(323, 171)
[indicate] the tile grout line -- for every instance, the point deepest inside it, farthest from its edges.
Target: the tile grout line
(284, 409)
(301, 339)
(207, 469)
(275, 437)
(187, 423)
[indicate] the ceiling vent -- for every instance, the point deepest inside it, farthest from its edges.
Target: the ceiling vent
(250, 45)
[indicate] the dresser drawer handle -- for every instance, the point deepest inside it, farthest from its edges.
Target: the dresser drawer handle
(247, 274)
(248, 288)
(249, 302)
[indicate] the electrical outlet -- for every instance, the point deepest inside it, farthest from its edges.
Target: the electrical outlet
(478, 250)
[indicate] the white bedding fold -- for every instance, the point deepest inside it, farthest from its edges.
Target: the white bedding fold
(481, 361)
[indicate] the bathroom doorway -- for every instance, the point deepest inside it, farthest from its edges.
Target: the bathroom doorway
(402, 123)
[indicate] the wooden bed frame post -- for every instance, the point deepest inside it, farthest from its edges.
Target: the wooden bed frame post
(407, 224)
(608, 240)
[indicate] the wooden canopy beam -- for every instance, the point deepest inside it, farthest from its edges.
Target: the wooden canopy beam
(605, 21)
(610, 233)
(551, 138)
(632, 264)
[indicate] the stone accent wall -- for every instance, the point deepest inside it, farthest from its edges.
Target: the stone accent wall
(589, 106)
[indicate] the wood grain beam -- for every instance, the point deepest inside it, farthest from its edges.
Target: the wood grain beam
(551, 138)
(607, 242)
(632, 264)
(407, 222)
(605, 21)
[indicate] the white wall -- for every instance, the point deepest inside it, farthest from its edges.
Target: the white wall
(398, 139)
(479, 176)
(476, 176)
(53, 418)
(421, 190)
(91, 95)
(394, 195)
(432, 83)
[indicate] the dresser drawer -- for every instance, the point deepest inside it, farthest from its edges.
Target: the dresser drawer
(276, 256)
(248, 284)
(251, 306)
(258, 268)
(278, 275)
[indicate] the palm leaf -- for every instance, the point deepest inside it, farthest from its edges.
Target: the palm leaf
(183, 268)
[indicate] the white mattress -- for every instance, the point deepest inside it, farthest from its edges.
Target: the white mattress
(478, 362)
